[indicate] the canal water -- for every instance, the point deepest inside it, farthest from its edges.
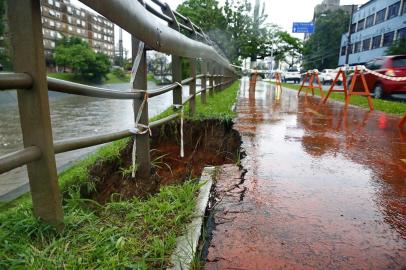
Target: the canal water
(72, 116)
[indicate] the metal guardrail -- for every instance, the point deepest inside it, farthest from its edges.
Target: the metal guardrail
(24, 17)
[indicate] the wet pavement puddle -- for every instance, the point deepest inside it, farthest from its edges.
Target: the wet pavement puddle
(325, 187)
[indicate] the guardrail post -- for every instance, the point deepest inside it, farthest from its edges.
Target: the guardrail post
(192, 87)
(203, 81)
(211, 79)
(176, 60)
(142, 140)
(24, 19)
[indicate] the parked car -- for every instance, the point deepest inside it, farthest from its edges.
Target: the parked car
(291, 74)
(392, 66)
(327, 75)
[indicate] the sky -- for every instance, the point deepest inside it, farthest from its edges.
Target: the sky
(280, 12)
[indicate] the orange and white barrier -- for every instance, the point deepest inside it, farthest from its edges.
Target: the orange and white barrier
(311, 76)
(341, 72)
(359, 74)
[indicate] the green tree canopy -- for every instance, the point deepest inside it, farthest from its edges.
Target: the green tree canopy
(76, 54)
(398, 47)
(240, 29)
(323, 47)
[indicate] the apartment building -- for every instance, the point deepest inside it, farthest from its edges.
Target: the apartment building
(375, 26)
(61, 18)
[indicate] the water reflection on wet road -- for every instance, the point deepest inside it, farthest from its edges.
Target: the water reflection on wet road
(72, 116)
(326, 188)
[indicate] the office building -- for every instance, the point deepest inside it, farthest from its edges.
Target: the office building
(375, 26)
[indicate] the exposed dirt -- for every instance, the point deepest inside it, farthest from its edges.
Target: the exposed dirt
(209, 142)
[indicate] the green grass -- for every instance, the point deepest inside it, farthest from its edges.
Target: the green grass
(393, 107)
(120, 234)
(130, 233)
(111, 78)
(218, 106)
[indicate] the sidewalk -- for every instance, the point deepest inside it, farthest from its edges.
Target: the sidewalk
(325, 188)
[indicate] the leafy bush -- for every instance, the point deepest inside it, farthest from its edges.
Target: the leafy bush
(119, 73)
(74, 53)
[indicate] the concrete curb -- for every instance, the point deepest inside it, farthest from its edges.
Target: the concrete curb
(187, 244)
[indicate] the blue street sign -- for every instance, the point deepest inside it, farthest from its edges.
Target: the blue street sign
(303, 27)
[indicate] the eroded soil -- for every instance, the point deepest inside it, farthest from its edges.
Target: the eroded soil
(209, 142)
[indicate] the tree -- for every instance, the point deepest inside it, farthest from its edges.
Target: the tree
(323, 47)
(289, 48)
(76, 54)
(398, 47)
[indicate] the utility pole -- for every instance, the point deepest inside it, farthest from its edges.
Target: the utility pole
(120, 46)
(347, 51)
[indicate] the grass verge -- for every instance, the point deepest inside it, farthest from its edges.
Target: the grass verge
(138, 234)
(130, 234)
(219, 106)
(393, 107)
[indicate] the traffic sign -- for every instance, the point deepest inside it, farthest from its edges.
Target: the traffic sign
(303, 27)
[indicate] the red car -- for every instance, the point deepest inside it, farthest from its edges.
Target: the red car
(392, 66)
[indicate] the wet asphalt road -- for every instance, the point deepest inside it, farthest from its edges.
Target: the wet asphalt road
(325, 187)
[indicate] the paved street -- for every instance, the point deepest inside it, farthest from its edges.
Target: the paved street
(324, 188)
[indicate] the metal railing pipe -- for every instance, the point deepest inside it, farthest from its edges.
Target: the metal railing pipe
(164, 120)
(158, 14)
(15, 81)
(19, 158)
(67, 145)
(162, 90)
(78, 143)
(90, 91)
(133, 17)
(187, 80)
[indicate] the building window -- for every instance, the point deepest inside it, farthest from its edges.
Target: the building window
(51, 23)
(57, 4)
(393, 10)
(69, 19)
(380, 16)
(402, 34)
(78, 30)
(388, 39)
(70, 28)
(353, 27)
(351, 49)
(376, 42)
(366, 44)
(370, 21)
(83, 24)
(343, 50)
(52, 44)
(70, 10)
(51, 2)
(83, 14)
(357, 47)
(360, 25)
